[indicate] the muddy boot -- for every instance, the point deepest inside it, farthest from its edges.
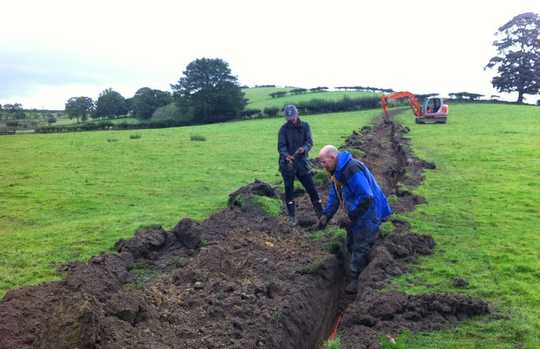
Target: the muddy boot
(290, 212)
(352, 287)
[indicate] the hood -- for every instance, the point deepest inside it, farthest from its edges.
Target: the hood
(342, 159)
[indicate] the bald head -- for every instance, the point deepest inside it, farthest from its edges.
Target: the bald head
(328, 157)
(328, 150)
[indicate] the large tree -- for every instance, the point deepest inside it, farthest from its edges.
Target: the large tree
(209, 90)
(110, 103)
(518, 56)
(147, 100)
(79, 107)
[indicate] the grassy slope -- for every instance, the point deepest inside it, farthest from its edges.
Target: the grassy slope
(259, 98)
(484, 212)
(71, 196)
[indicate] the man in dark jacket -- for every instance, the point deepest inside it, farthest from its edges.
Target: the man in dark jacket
(294, 143)
(354, 188)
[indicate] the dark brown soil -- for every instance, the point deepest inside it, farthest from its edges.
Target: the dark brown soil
(240, 279)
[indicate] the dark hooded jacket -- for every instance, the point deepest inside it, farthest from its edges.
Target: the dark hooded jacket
(290, 138)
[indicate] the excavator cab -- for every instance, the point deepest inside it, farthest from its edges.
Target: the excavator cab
(432, 105)
(433, 111)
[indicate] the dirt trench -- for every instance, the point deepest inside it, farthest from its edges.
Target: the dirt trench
(241, 278)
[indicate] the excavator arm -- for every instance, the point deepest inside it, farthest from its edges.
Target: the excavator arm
(415, 106)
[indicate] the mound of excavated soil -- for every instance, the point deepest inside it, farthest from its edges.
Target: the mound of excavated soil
(240, 279)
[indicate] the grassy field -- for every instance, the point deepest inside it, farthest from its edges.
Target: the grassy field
(484, 212)
(259, 98)
(71, 196)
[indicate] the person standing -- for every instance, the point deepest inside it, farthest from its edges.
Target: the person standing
(294, 143)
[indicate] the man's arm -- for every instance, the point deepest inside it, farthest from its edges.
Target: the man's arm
(282, 143)
(309, 140)
(332, 203)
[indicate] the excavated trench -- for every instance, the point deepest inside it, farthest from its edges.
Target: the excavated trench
(241, 278)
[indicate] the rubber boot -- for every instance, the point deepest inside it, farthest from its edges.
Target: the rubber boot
(290, 213)
(352, 287)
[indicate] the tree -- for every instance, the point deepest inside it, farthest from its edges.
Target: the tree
(79, 107)
(518, 56)
(129, 104)
(110, 103)
(146, 101)
(209, 91)
(14, 111)
(51, 119)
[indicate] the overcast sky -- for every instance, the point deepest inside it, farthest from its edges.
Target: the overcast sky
(53, 50)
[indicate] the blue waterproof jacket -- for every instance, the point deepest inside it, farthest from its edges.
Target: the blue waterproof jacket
(355, 185)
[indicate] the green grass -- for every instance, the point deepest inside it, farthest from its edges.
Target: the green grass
(70, 196)
(62, 121)
(484, 212)
(270, 206)
(259, 98)
(130, 121)
(332, 344)
(259, 94)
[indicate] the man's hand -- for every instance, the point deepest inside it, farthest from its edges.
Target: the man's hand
(290, 158)
(323, 221)
(301, 150)
(344, 222)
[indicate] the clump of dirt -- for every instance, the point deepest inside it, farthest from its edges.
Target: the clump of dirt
(392, 312)
(240, 279)
(258, 198)
(375, 312)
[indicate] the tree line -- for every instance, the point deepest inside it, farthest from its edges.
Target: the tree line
(111, 103)
(13, 111)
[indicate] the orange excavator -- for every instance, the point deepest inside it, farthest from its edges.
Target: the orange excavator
(431, 112)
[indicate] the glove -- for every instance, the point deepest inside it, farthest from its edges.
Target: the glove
(344, 222)
(323, 221)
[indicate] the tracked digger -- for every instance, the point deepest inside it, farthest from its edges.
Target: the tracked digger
(432, 111)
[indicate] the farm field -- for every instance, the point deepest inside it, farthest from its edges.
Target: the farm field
(483, 210)
(70, 196)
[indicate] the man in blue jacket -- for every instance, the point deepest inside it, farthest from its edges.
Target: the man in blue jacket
(294, 144)
(354, 188)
